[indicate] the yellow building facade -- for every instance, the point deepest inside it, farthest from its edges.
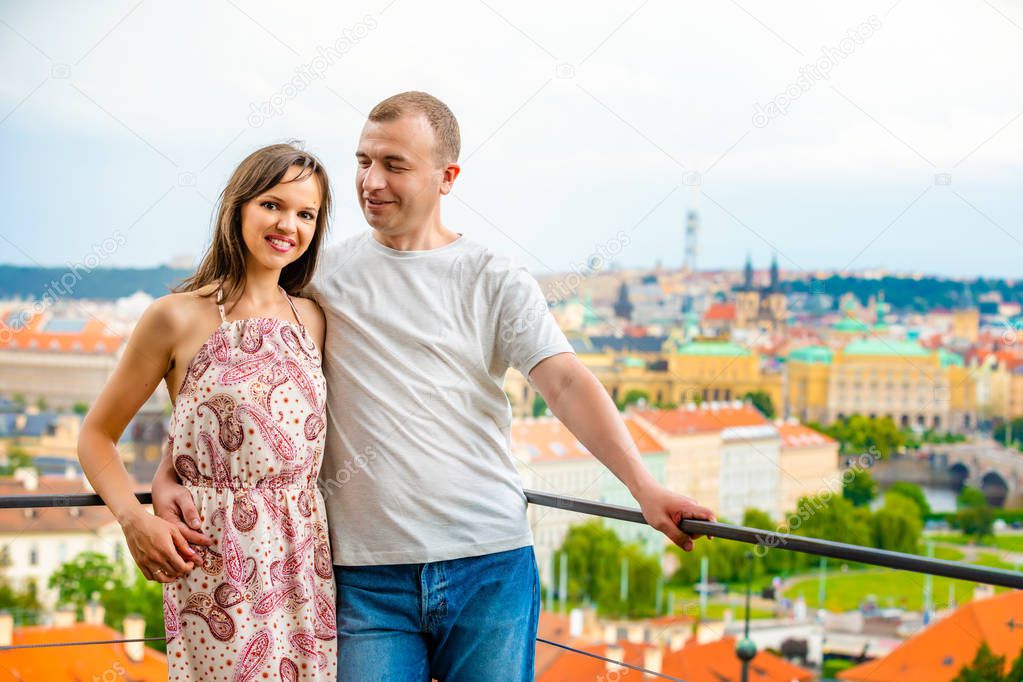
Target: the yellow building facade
(915, 386)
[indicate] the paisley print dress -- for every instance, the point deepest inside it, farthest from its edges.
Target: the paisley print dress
(246, 437)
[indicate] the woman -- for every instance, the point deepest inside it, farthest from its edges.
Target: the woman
(241, 362)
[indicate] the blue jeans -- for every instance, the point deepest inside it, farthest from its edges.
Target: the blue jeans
(459, 620)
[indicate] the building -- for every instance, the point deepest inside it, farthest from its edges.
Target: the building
(550, 459)
(730, 457)
(809, 460)
(938, 652)
(718, 320)
(62, 361)
(878, 377)
(37, 541)
(675, 371)
(719, 371)
(761, 310)
(725, 455)
(807, 371)
(131, 661)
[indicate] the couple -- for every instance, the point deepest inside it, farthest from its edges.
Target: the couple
(389, 371)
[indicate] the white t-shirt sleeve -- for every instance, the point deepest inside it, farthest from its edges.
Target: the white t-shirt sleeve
(526, 331)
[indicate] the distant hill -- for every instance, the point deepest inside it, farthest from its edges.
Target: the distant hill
(916, 294)
(102, 283)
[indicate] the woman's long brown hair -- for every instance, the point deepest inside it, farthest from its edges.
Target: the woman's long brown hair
(224, 262)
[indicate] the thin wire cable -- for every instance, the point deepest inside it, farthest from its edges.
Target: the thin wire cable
(60, 644)
(610, 660)
(160, 639)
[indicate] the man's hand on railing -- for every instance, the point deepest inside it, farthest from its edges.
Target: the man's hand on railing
(174, 504)
(664, 510)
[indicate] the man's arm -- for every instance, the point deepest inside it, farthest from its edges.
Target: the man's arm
(172, 502)
(576, 398)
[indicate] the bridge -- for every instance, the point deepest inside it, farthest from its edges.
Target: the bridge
(985, 464)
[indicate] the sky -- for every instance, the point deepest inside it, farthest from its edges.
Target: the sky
(841, 136)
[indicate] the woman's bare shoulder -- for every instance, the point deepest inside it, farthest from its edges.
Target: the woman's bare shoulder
(174, 313)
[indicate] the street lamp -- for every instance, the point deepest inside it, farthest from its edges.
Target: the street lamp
(746, 650)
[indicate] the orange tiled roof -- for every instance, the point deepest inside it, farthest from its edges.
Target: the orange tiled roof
(682, 421)
(547, 439)
(717, 662)
(38, 333)
(937, 653)
(572, 667)
(555, 628)
(74, 664)
(724, 312)
(711, 662)
(796, 435)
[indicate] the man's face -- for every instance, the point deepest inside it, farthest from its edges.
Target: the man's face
(399, 181)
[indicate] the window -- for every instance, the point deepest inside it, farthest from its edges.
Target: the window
(33, 555)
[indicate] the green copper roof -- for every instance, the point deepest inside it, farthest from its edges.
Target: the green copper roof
(949, 359)
(815, 354)
(849, 324)
(713, 348)
(886, 347)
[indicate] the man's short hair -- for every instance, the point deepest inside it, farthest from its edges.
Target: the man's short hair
(443, 122)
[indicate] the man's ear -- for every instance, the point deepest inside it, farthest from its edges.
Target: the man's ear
(451, 172)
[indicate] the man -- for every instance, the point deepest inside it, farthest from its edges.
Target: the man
(433, 554)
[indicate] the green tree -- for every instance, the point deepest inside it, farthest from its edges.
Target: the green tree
(17, 458)
(539, 406)
(41, 404)
(1016, 671)
(912, 492)
(860, 488)
(829, 517)
(141, 596)
(974, 515)
(595, 555)
(87, 574)
(857, 434)
(80, 408)
(18, 600)
(773, 561)
(725, 562)
(19, 401)
(634, 397)
(985, 667)
(1014, 427)
(593, 550)
(897, 526)
(762, 401)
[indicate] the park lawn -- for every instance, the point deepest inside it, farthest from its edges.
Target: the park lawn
(1009, 543)
(993, 561)
(953, 539)
(890, 588)
(716, 610)
(947, 553)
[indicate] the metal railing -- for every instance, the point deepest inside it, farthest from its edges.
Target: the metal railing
(753, 536)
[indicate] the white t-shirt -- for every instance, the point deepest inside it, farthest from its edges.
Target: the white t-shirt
(418, 466)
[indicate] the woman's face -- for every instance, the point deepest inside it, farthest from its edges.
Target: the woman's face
(279, 224)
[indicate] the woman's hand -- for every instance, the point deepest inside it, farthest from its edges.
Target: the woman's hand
(157, 546)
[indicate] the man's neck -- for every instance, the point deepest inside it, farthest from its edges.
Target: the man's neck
(425, 238)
